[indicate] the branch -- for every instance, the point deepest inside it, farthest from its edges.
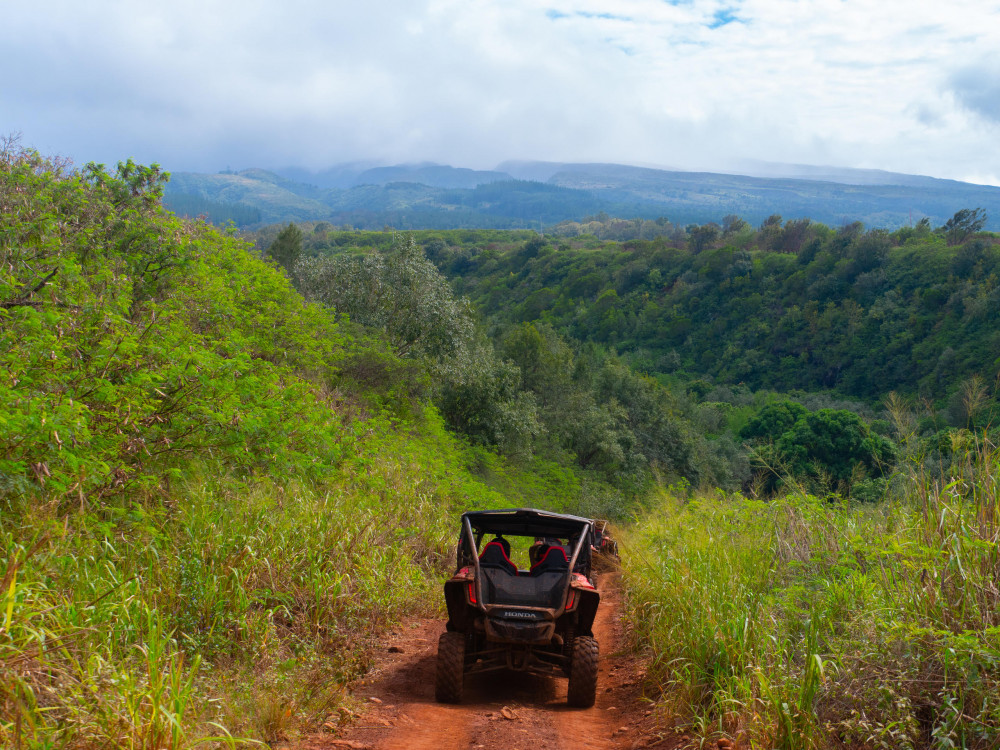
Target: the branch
(22, 301)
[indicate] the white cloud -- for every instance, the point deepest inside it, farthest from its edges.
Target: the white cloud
(210, 84)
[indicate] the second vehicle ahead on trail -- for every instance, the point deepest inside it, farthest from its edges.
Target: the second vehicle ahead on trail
(604, 544)
(537, 618)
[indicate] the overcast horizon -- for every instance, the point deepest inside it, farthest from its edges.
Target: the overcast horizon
(910, 87)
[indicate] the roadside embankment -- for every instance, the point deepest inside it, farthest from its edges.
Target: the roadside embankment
(807, 622)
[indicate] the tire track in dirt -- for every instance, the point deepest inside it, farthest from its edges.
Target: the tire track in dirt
(499, 710)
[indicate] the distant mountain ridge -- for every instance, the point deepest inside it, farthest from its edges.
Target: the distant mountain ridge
(346, 176)
(529, 194)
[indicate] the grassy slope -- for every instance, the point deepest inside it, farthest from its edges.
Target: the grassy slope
(203, 522)
(277, 203)
(800, 623)
(247, 602)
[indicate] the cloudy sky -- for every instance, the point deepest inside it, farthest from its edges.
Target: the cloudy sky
(904, 85)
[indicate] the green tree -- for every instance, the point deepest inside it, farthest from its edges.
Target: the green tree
(403, 295)
(398, 292)
(835, 443)
(650, 417)
(773, 421)
(733, 224)
(132, 183)
(795, 234)
(481, 397)
(545, 361)
(964, 224)
(287, 248)
(968, 256)
(133, 343)
(704, 236)
(871, 250)
(771, 233)
(828, 447)
(597, 436)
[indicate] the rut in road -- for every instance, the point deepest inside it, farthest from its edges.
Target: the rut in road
(504, 710)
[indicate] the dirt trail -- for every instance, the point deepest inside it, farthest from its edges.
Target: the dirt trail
(499, 710)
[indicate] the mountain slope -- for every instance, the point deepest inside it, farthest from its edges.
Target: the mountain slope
(277, 199)
(438, 196)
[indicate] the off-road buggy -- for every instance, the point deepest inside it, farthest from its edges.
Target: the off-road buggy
(604, 543)
(539, 619)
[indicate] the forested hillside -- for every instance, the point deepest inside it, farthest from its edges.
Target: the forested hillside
(767, 307)
(722, 322)
(792, 305)
(525, 391)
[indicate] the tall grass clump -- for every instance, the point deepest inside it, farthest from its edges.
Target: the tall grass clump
(244, 604)
(808, 622)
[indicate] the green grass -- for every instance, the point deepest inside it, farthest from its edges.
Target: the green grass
(809, 623)
(234, 606)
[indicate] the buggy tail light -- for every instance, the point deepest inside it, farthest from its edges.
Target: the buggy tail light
(571, 599)
(472, 592)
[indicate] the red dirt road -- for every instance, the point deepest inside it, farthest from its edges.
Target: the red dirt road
(501, 710)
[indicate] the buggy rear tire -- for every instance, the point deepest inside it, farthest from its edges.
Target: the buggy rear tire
(450, 676)
(583, 672)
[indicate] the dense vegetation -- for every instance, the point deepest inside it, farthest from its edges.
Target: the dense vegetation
(764, 307)
(802, 623)
(222, 475)
(793, 305)
(725, 320)
(220, 214)
(213, 494)
(526, 392)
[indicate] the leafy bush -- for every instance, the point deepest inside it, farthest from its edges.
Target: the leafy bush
(132, 342)
(829, 449)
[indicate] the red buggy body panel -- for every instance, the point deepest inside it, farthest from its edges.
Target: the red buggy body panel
(538, 619)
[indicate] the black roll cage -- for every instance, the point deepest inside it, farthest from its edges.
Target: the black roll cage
(525, 522)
